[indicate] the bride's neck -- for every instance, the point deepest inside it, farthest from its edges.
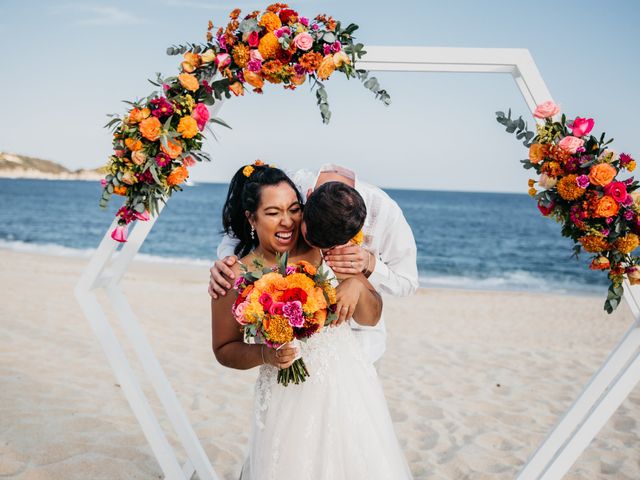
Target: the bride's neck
(270, 257)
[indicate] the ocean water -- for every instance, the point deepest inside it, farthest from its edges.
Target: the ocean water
(465, 240)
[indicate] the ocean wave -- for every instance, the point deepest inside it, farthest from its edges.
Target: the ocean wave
(517, 280)
(62, 251)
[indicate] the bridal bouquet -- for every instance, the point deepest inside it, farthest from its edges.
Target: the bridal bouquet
(282, 304)
(580, 188)
(161, 136)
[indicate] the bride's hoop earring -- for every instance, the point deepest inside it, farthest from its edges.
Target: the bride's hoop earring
(253, 233)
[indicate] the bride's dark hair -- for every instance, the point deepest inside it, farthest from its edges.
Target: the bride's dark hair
(244, 196)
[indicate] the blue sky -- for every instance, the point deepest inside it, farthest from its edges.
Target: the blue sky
(67, 64)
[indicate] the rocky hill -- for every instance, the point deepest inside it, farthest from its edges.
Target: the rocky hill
(19, 166)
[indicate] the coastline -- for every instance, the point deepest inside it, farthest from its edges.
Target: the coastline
(474, 379)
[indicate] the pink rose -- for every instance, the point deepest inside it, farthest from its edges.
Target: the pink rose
(200, 114)
(222, 60)
(253, 40)
(581, 126)
(119, 233)
(276, 308)
(266, 301)
(238, 313)
(188, 161)
(570, 144)
(546, 110)
(618, 190)
(303, 41)
(256, 55)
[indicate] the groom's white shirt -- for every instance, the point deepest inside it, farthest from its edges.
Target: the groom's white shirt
(387, 235)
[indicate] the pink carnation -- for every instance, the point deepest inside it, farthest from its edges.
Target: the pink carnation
(293, 312)
(582, 181)
(200, 114)
(546, 110)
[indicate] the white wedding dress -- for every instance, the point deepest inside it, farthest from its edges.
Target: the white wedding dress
(334, 426)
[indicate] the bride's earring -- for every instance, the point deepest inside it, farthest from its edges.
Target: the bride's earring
(253, 232)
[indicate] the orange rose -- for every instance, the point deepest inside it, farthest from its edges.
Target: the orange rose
(308, 268)
(188, 81)
(602, 174)
(150, 128)
(537, 152)
(298, 79)
(193, 58)
(178, 175)
(320, 317)
(326, 67)
(133, 144)
(236, 88)
(606, 207)
(137, 115)
(187, 67)
(253, 79)
(173, 148)
(188, 127)
(120, 190)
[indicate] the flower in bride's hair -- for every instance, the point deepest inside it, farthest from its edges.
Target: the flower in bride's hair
(358, 239)
(247, 171)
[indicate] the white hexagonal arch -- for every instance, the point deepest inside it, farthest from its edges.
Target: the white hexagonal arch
(601, 397)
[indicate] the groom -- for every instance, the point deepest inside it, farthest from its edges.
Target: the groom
(387, 255)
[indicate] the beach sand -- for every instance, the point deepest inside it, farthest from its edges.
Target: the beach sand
(474, 380)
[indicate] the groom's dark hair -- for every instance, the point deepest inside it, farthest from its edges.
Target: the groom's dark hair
(334, 214)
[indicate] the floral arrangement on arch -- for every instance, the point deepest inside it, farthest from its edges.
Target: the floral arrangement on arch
(161, 136)
(284, 304)
(580, 188)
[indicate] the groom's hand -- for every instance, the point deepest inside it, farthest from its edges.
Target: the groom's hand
(348, 259)
(221, 276)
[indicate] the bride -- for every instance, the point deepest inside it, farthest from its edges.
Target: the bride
(336, 424)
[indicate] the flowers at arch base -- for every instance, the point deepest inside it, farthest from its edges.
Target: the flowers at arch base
(587, 188)
(282, 304)
(161, 136)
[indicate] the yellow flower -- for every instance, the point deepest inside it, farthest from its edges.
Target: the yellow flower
(247, 171)
(631, 166)
(188, 127)
(359, 238)
(240, 55)
(208, 56)
(628, 243)
(594, 243)
(531, 182)
(532, 192)
(253, 311)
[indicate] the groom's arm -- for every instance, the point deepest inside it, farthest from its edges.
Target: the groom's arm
(396, 269)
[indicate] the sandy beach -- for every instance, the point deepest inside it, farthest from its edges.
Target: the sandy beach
(474, 379)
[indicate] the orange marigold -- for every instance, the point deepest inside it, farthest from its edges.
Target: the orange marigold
(310, 61)
(188, 127)
(120, 190)
(307, 267)
(279, 330)
(569, 189)
(267, 283)
(594, 243)
(270, 21)
(253, 311)
(274, 71)
(299, 280)
(606, 207)
(628, 243)
(150, 128)
(269, 46)
(276, 7)
(537, 152)
(188, 81)
(178, 175)
(241, 55)
(235, 13)
(553, 169)
(558, 154)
